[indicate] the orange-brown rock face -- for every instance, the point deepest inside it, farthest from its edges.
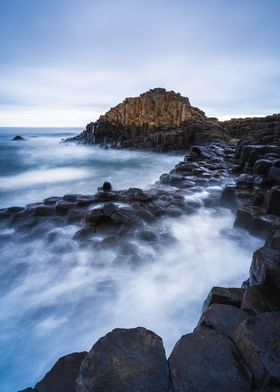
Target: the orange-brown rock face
(158, 119)
(155, 108)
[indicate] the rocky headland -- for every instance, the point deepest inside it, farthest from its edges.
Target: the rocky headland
(158, 120)
(236, 344)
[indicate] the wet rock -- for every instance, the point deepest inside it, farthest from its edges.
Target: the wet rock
(228, 198)
(125, 360)
(107, 187)
(147, 235)
(221, 295)
(260, 299)
(265, 268)
(76, 215)
(63, 206)
(109, 208)
(72, 197)
(207, 361)
(261, 167)
(52, 200)
(272, 201)
(222, 318)
(199, 152)
(63, 374)
(18, 138)
(245, 217)
(96, 216)
(85, 200)
(85, 233)
(42, 210)
(258, 341)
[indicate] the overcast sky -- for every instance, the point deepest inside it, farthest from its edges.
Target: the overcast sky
(65, 62)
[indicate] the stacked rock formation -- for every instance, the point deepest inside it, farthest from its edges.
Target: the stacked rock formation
(157, 119)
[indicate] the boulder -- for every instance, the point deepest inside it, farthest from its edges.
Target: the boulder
(125, 360)
(222, 318)
(258, 340)
(221, 295)
(260, 299)
(265, 268)
(208, 361)
(62, 376)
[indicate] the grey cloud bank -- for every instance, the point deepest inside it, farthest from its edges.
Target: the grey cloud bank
(65, 63)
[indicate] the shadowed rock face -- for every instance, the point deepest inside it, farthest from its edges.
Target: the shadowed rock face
(62, 376)
(125, 360)
(157, 119)
(207, 361)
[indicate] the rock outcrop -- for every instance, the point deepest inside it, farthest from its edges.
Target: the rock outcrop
(125, 360)
(18, 138)
(157, 119)
(236, 344)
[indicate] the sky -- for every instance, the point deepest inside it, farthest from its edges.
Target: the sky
(65, 62)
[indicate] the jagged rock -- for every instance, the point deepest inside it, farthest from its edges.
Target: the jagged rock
(260, 299)
(258, 340)
(18, 138)
(222, 318)
(265, 268)
(125, 360)
(272, 201)
(207, 361)
(221, 295)
(62, 376)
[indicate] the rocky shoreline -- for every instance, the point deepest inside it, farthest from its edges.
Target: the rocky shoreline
(235, 345)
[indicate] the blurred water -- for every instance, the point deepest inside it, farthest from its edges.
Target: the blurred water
(57, 298)
(41, 166)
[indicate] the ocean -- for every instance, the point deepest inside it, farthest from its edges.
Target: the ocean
(57, 298)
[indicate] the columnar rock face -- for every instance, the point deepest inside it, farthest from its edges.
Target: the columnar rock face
(241, 127)
(157, 119)
(155, 108)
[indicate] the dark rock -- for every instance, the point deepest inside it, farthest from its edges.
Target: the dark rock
(125, 360)
(76, 215)
(221, 295)
(207, 361)
(52, 200)
(107, 187)
(272, 201)
(260, 299)
(147, 235)
(85, 233)
(222, 318)
(62, 376)
(245, 216)
(109, 208)
(18, 138)
(63, 206)
(228, 198)
(199, 152)
(258, 339)
(261, 167)
(265, 268)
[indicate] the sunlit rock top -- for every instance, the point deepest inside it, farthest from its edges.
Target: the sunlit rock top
(154, 108)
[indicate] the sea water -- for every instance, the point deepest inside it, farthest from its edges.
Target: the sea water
(59, 298)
